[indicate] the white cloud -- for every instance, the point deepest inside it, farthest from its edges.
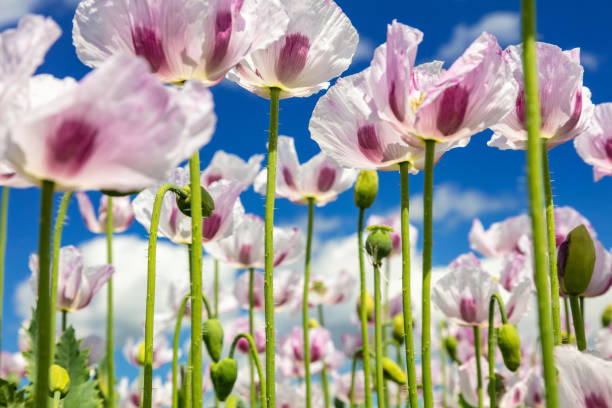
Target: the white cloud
(589, 60)
(365, 50)
(505, 25)
(13, 10)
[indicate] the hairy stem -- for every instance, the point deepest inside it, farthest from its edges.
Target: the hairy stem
(363, 313)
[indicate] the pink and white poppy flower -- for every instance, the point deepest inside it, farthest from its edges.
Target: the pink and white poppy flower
(225, 166)
(594, 145)
(241, 325)
(165, 126)
(130, 394)
(285, 290)
(122, 213)
(320, 178)
(468, 381)
(162, 352)
(77, 284)
(180, 40)
(501, 238)
(317, 46)
(566, 106)
(322, 352)
(13, 367)
(343, 382)
(395, 221)
(329, 288)
(603, 342)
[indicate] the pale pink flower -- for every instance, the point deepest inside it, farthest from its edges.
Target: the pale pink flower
(77, 284)
(321, 178)
(244, 248)
(342, 383)
(468, 381)
(124, 136)
(585, 381)
(350, 343)
(322, 352)
(501, 238)
(181, 40)
(329, 288)
(601, 280)
(603, 342)
(286, 288)
(594, 145)
(130, 393)
(566, 219)
(292, 395)
(243, 382)
(241, 325)
(317, 46)
(395, 221)
(515, 268)
(162, 352)
(13, 367)
(527, 391)
(122, 213)
(225, 166)
(95, 346)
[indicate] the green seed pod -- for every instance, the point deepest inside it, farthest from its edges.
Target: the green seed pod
(398, 328)
(606, 316)
(450, 343)
(366, 188)
(184, 204)
(140, 358)
(393, 372)
(223, 375)
(576, 261)
(212, 334)
(379, 243)
(58, 380)
(510, 346)
(234, 401)
(369, 305)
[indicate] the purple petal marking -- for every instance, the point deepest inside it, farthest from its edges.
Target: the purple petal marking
(394, 103)
(369, 144)
(575, 118)
(608, 148)
(71, 145)
(210, 226)
(211, 178)
(149, 46)
(223, 35)
(173, 219)
(327, 176)
(595, 401)
(288, 177)
(244, 256)
(452, 109)
(467, 308)
(519, 106)
(292, 57)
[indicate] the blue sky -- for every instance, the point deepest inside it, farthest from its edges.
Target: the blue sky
(476, 181)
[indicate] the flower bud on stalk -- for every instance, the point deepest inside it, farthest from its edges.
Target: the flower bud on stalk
(366, 188)
(184, 203)
(576, 261)
(398, 328)
(140, 358)
(393, 372)
(450, 343)
(606, 316)
(59, 381)
(369, 305)
(313, 323)
(234, 401)
(379, 243)
(510, 346)
(212, 334)
(223, 375)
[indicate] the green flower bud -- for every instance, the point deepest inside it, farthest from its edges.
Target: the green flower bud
(606, 316)
(398, 328)
(140, 358)
(576, 261)
(366, 188)
(393, 372)
(369, 306)
(450, 343)
(235, 401)
(510, 346)
(184, 204)
(58, 380)
(379, 243)
(223, 375)
(313, 323)
(113, 193)
(212, 333)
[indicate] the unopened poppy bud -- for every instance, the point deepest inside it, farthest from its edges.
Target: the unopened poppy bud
(58, 380)
(369, 306)
(510, 346)
(212, 334)
(379, 243)
(393, 372)
(235, 401)
(140, 358)
(606, 316)
(184, 203)
(313, 323)
(576, 261)
(223, 375)
(398, 328)
(366, 188)
(450, 344)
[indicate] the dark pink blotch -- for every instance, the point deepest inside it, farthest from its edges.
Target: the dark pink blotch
(467, 308)
(210, 226)
(326, 179)
(288, 177)
(244, 256)
(148, 45)
(71, 145)
(608, 148)
(223, 35)
(211, 178)
(453, 107)
(595, 401)
(292, 57)
(369, 144)
(395, 103)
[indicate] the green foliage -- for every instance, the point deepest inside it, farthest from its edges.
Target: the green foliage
(9, 396)
(30, 356)
(464, 404)
(101, 379)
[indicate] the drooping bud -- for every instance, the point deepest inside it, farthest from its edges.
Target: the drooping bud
(606, 316)
(366, 188)
(393, 372)
(369, 306)
(58, 380)
(223, 375)
(576, 261)
(313, 323)
(379, 243)
(450, 344)
(235, 401)
(140, 358)
(184, 204)
(510, 346)
(398, 328)
(212, 334)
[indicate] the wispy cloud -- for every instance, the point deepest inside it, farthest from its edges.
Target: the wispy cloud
(505, 25)
(365, 50)
(589, 60)
(13, 10)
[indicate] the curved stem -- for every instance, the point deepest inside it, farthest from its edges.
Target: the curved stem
(147, 400)
(269, 248)
(305, 301)
(441, 327)
(43, 311)
(568, 325)
(252, 331)
(378, 336)
(477, 342)
(353, 367)
(406, 292)
(255, 357)
(110, 354)
(175, 347)
(363, 312)
(534, 169)
(3, 224)
(216, 287)
(491, 343)
(552, 248)
(578, 322)
(55, 250)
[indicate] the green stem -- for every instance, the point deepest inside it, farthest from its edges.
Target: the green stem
(55, 250)
(378, 337)
(196, 280)
(582, 306)
(252, 331)
(578, 322)
(147, 400)
(386, 318)
(491, 343)
(110, 354)
(320, 314)
(188, 383)
(175, 347)
(363, 313)
(216, 287)
(255, 357)
(43, 311)
(365, 373)
(3, 223)
(441, 327)
(568, 325)
(305, 301)
(57, 395)
(477, 342)
(552, 248)
(406, 292)
(269, 249)
(325, 385)
(536, 191)
(64, 320)
(398, 356)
